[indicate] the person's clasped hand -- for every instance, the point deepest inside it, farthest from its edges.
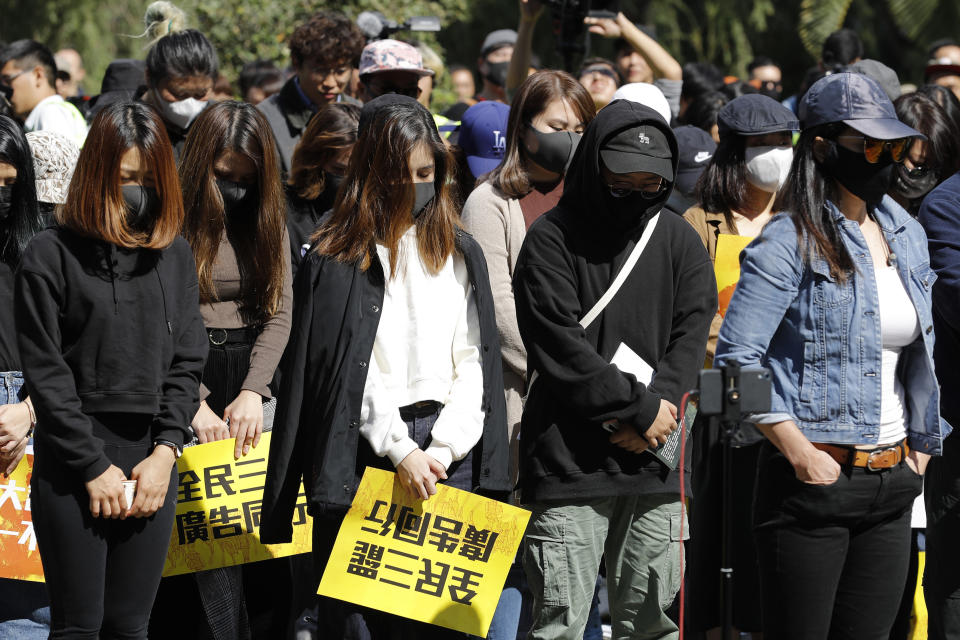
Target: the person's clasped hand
(419, 474)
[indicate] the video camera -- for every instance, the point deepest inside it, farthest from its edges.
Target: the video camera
(569, 29)
(376, 26)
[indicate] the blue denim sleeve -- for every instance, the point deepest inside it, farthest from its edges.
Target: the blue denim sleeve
(771, 270)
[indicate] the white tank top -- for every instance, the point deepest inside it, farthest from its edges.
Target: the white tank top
(899, 327)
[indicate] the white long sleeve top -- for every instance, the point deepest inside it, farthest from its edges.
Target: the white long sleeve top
(427, 348)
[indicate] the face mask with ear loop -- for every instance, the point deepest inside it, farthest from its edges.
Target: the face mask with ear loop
(425, 192)
(554, 150)
(767, 167)
(180, 113)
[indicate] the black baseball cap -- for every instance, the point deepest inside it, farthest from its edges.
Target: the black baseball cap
(857, 101)
(754, 114)
(695, 148)
(641, 148)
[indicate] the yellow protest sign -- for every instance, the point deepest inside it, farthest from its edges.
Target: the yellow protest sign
(726, 266)
(441, 561)
(19, 557)
(218, 510)
(217, 522)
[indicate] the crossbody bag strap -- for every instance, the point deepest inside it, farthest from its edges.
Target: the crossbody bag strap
(622, 275)
(614, 287)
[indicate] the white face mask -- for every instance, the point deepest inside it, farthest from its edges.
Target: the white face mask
(180, 113)
(768, 167)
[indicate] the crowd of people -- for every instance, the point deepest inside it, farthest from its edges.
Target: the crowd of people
(514, 297)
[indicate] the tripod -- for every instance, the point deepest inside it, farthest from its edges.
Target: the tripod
(726, 395)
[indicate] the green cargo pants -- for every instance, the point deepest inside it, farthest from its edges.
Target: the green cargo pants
(639, 536)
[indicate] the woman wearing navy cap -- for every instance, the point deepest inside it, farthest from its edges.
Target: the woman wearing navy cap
(736, 194)
(834, 298)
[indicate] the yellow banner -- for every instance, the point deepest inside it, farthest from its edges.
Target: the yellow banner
(19, 557)
(441, 561)
(218, 510)
(726, 266)
(217, 522)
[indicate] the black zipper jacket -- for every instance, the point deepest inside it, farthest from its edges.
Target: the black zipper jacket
(107, 329)
(316, 430)
(662, 312)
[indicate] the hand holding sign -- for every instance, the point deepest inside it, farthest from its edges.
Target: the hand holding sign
(441, 561)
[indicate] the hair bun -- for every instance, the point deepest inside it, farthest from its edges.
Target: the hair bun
(163, 18)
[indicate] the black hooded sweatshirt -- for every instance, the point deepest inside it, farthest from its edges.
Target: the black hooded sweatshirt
(106, 329)
(663, 312)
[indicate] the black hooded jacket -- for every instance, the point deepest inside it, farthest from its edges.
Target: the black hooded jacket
(106, 329)
(663, 312)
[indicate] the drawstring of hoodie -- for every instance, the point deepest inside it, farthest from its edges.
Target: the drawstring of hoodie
(163, 299)
(111, 264)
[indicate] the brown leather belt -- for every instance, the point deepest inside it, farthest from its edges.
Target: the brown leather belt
(871, 459)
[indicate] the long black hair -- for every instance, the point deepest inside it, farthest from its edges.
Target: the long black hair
(722, 187)
(24, 220)
(805, 195)
(181, 54)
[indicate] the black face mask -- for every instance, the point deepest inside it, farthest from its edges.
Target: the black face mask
(914, 188)
(236, 195)
(6, 202)
(770, 93)
(143, 205)
(867, 181)
(554, 150)
(425, 192)
(497, 73)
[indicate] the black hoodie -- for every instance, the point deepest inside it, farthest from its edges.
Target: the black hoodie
(663, 312)
(105, 329)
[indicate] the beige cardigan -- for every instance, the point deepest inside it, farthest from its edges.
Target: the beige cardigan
(497, 224)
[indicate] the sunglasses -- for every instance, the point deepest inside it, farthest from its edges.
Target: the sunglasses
(873, 149)
(648, 191)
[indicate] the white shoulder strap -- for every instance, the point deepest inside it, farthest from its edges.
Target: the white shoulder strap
(622, 275)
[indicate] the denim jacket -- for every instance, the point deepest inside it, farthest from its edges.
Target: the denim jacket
(821, 338)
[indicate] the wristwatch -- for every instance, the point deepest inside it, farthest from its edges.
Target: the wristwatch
(177, 451)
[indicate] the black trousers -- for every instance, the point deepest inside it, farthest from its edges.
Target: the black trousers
(941, 576)
(101, 574)
(834, 559)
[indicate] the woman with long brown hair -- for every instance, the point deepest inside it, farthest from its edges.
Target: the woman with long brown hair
(318, 167)
(112, 345)
(393, 360)
(234, 221)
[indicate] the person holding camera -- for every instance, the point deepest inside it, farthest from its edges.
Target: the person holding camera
(834, 298)
(605, 273)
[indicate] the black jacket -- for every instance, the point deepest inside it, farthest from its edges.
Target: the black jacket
(324, 370)
(662, 312)
(303, 218)
(105, 329)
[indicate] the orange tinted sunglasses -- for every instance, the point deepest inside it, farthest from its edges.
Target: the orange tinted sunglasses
(873, 149)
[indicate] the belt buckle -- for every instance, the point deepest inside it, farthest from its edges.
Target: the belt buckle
(214, 341)
(878, 454)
